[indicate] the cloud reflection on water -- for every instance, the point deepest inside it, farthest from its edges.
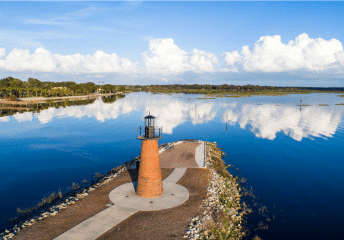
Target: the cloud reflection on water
(169, 114)
(99, 110)
(5, 119)
(264, 121)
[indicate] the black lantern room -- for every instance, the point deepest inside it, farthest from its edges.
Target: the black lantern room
(150, 130)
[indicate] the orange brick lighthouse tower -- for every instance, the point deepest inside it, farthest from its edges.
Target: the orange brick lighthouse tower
(149, 184)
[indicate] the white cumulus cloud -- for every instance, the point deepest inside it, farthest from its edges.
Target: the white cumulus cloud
(340, 57)
(44, 61)
(203, 61)
(165, 57)
(2, 52)
(269, 54)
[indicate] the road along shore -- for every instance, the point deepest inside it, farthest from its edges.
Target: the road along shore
(30, 100)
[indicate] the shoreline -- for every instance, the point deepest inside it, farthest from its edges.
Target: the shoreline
(222, 215)
(32, 100)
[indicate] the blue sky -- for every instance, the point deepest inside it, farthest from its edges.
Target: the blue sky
(265, 43)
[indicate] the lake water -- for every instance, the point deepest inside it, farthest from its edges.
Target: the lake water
(291, 156)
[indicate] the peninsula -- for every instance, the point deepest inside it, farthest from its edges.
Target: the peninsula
(213, 209)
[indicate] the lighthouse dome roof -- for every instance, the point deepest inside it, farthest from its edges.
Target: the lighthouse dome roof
(149, 117)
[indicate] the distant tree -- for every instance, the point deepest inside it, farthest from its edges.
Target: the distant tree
(33, 82)
(90, 87)
(121, 88)
(109, 99)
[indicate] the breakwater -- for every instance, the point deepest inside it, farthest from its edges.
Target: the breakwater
(222, 214)
(52, 205)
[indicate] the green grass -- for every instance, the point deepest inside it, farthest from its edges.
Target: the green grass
(56, 198)
(44, 202)
(223, 225)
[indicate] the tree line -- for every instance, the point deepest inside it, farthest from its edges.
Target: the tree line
(16, 88)
(228, 88)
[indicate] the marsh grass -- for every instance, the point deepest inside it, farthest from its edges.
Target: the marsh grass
(98, 175)
(232, 96)
(60, 194)
(240, 93)
(54, 199)
(42, 204)
(75, 186)
(226, 216)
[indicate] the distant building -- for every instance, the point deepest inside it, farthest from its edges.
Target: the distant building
(54, 88)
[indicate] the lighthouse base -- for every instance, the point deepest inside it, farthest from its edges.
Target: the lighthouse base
(174, 195)
(149, 184)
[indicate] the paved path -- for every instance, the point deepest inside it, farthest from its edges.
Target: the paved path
(126, 203)
(68, 97)
(200, 155)
(183, 154)
(98, 224)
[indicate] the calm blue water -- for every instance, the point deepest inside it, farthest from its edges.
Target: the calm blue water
(292, 157)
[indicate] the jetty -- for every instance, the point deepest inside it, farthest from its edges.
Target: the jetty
(194, 177)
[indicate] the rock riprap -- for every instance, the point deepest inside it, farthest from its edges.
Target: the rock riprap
(223, 215)
(69, 200)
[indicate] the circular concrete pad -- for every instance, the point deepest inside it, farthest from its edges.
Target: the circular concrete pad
(125, 196)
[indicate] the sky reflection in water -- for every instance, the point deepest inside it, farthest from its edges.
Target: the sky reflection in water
(288, 154)
(264, 118)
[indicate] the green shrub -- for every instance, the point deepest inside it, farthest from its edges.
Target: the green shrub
(11, 98)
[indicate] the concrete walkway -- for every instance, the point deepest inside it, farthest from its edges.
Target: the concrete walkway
(173, 195)
(126, 203)
(68, 97)
(98, 224)
(200, 155)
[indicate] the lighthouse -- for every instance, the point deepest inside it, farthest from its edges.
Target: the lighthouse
(149, 184)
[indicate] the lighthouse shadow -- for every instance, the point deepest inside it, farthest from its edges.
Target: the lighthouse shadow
(134, 174)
